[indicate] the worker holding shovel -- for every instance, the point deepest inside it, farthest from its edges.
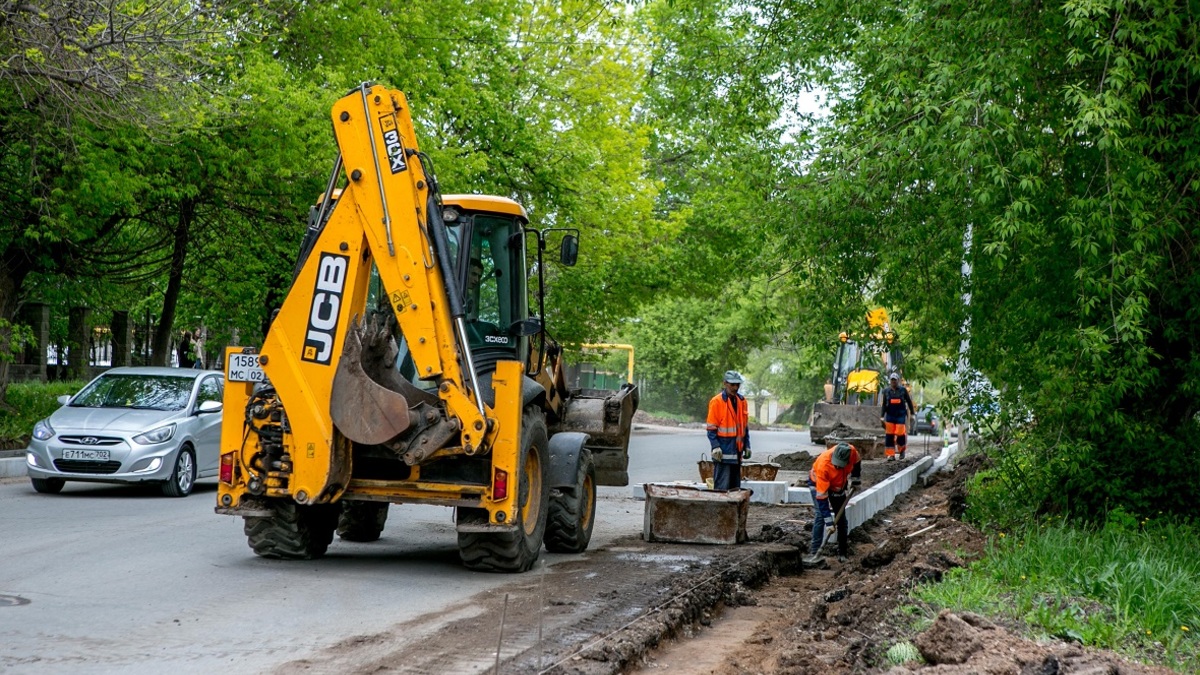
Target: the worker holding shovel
(833, 476)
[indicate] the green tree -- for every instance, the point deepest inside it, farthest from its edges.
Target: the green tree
(72, 71)
(1061, 135)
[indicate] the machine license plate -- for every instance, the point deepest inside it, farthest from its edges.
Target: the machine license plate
(244, 368)
(89, 455)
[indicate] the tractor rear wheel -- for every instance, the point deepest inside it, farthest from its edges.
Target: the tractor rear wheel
(362, 521)
(517, 550)
(292, 532)
(572, 511)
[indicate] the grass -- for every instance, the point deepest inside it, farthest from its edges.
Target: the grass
(1133, 588)
(29, 402)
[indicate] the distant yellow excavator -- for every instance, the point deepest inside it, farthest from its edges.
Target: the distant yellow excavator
(862, 361)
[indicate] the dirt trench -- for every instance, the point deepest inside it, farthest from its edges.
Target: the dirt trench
(843, 617)
(639, 607)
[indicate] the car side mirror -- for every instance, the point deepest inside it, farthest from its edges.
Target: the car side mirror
(208, 407)
(64, 399)
(568, 252)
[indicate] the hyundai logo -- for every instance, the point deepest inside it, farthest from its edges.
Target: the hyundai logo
(89, 440)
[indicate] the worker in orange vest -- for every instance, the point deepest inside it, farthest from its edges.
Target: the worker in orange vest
(897, 408)
(729, 432)
(833, 472)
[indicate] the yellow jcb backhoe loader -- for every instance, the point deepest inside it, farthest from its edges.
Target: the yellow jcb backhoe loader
(851, 408)
(402, 368)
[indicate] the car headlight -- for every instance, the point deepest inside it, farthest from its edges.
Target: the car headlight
(156, 436)
(43, 431)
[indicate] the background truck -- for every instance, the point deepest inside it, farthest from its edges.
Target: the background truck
(851, 408)
(405, 366)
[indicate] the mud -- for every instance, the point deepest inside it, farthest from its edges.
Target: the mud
(844, 617)
(638, 607)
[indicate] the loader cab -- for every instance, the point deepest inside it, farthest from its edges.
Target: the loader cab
(489, 256)
(488, 253)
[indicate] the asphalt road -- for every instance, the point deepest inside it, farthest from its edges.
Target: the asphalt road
(102, 579)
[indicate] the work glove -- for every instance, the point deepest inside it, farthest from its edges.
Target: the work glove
(716, 454)
(828, 521)
(883, 423)
(855, 482)
(746, 453)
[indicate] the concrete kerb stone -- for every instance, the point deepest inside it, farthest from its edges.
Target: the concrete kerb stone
(942, 462)
(799, 495)
(13, 467)
(767, 491)
(881, 495)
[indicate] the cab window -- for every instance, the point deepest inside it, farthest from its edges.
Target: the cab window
(492, 290)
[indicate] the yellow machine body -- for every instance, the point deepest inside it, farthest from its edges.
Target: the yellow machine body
(379, 218)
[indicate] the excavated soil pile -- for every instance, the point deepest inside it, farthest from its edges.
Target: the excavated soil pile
(842, 618)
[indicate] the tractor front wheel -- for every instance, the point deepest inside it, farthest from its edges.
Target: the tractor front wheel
(518, 549)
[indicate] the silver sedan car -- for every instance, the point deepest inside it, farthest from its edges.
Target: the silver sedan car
(132, 425)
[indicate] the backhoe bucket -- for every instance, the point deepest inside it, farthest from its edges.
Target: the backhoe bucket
(362, 409)
(844, 420)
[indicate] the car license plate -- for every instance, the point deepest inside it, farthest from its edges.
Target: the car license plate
(89, 455)
(244, 368)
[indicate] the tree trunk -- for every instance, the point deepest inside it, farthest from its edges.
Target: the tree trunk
(161, 355)
(12, 276)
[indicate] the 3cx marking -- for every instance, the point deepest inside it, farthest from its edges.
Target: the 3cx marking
(326, 306)
(392, 143)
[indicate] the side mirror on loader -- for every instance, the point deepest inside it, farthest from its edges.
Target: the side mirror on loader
(568, 252)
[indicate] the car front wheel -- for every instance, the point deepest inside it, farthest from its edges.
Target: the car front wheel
(183, 476)
(48, 486)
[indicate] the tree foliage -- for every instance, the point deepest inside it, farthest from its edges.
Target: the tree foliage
(1063, 135)
(531, 100)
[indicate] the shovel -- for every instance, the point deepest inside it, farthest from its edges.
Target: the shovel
(816, 559)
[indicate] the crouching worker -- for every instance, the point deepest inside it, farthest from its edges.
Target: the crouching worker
(833, 473)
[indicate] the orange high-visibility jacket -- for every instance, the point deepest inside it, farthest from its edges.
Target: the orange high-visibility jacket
(826, 477)
(729, 425)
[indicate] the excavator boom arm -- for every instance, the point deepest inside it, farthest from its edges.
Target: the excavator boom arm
(383, 216)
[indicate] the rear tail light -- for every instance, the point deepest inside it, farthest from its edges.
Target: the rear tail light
(227, 468)
(500, 485)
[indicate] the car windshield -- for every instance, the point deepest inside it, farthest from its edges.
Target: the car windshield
(150, 392)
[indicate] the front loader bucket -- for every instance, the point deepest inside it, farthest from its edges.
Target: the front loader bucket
(362, 409)
(607, 418)
(844, 420)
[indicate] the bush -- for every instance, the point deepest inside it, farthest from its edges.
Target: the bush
(29, 402)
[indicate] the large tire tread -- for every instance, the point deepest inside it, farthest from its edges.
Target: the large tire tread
(568, 527)
(295, 532)
(514, 551)
(362, 521)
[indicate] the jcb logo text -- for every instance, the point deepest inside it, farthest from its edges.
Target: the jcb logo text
(326, 303)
